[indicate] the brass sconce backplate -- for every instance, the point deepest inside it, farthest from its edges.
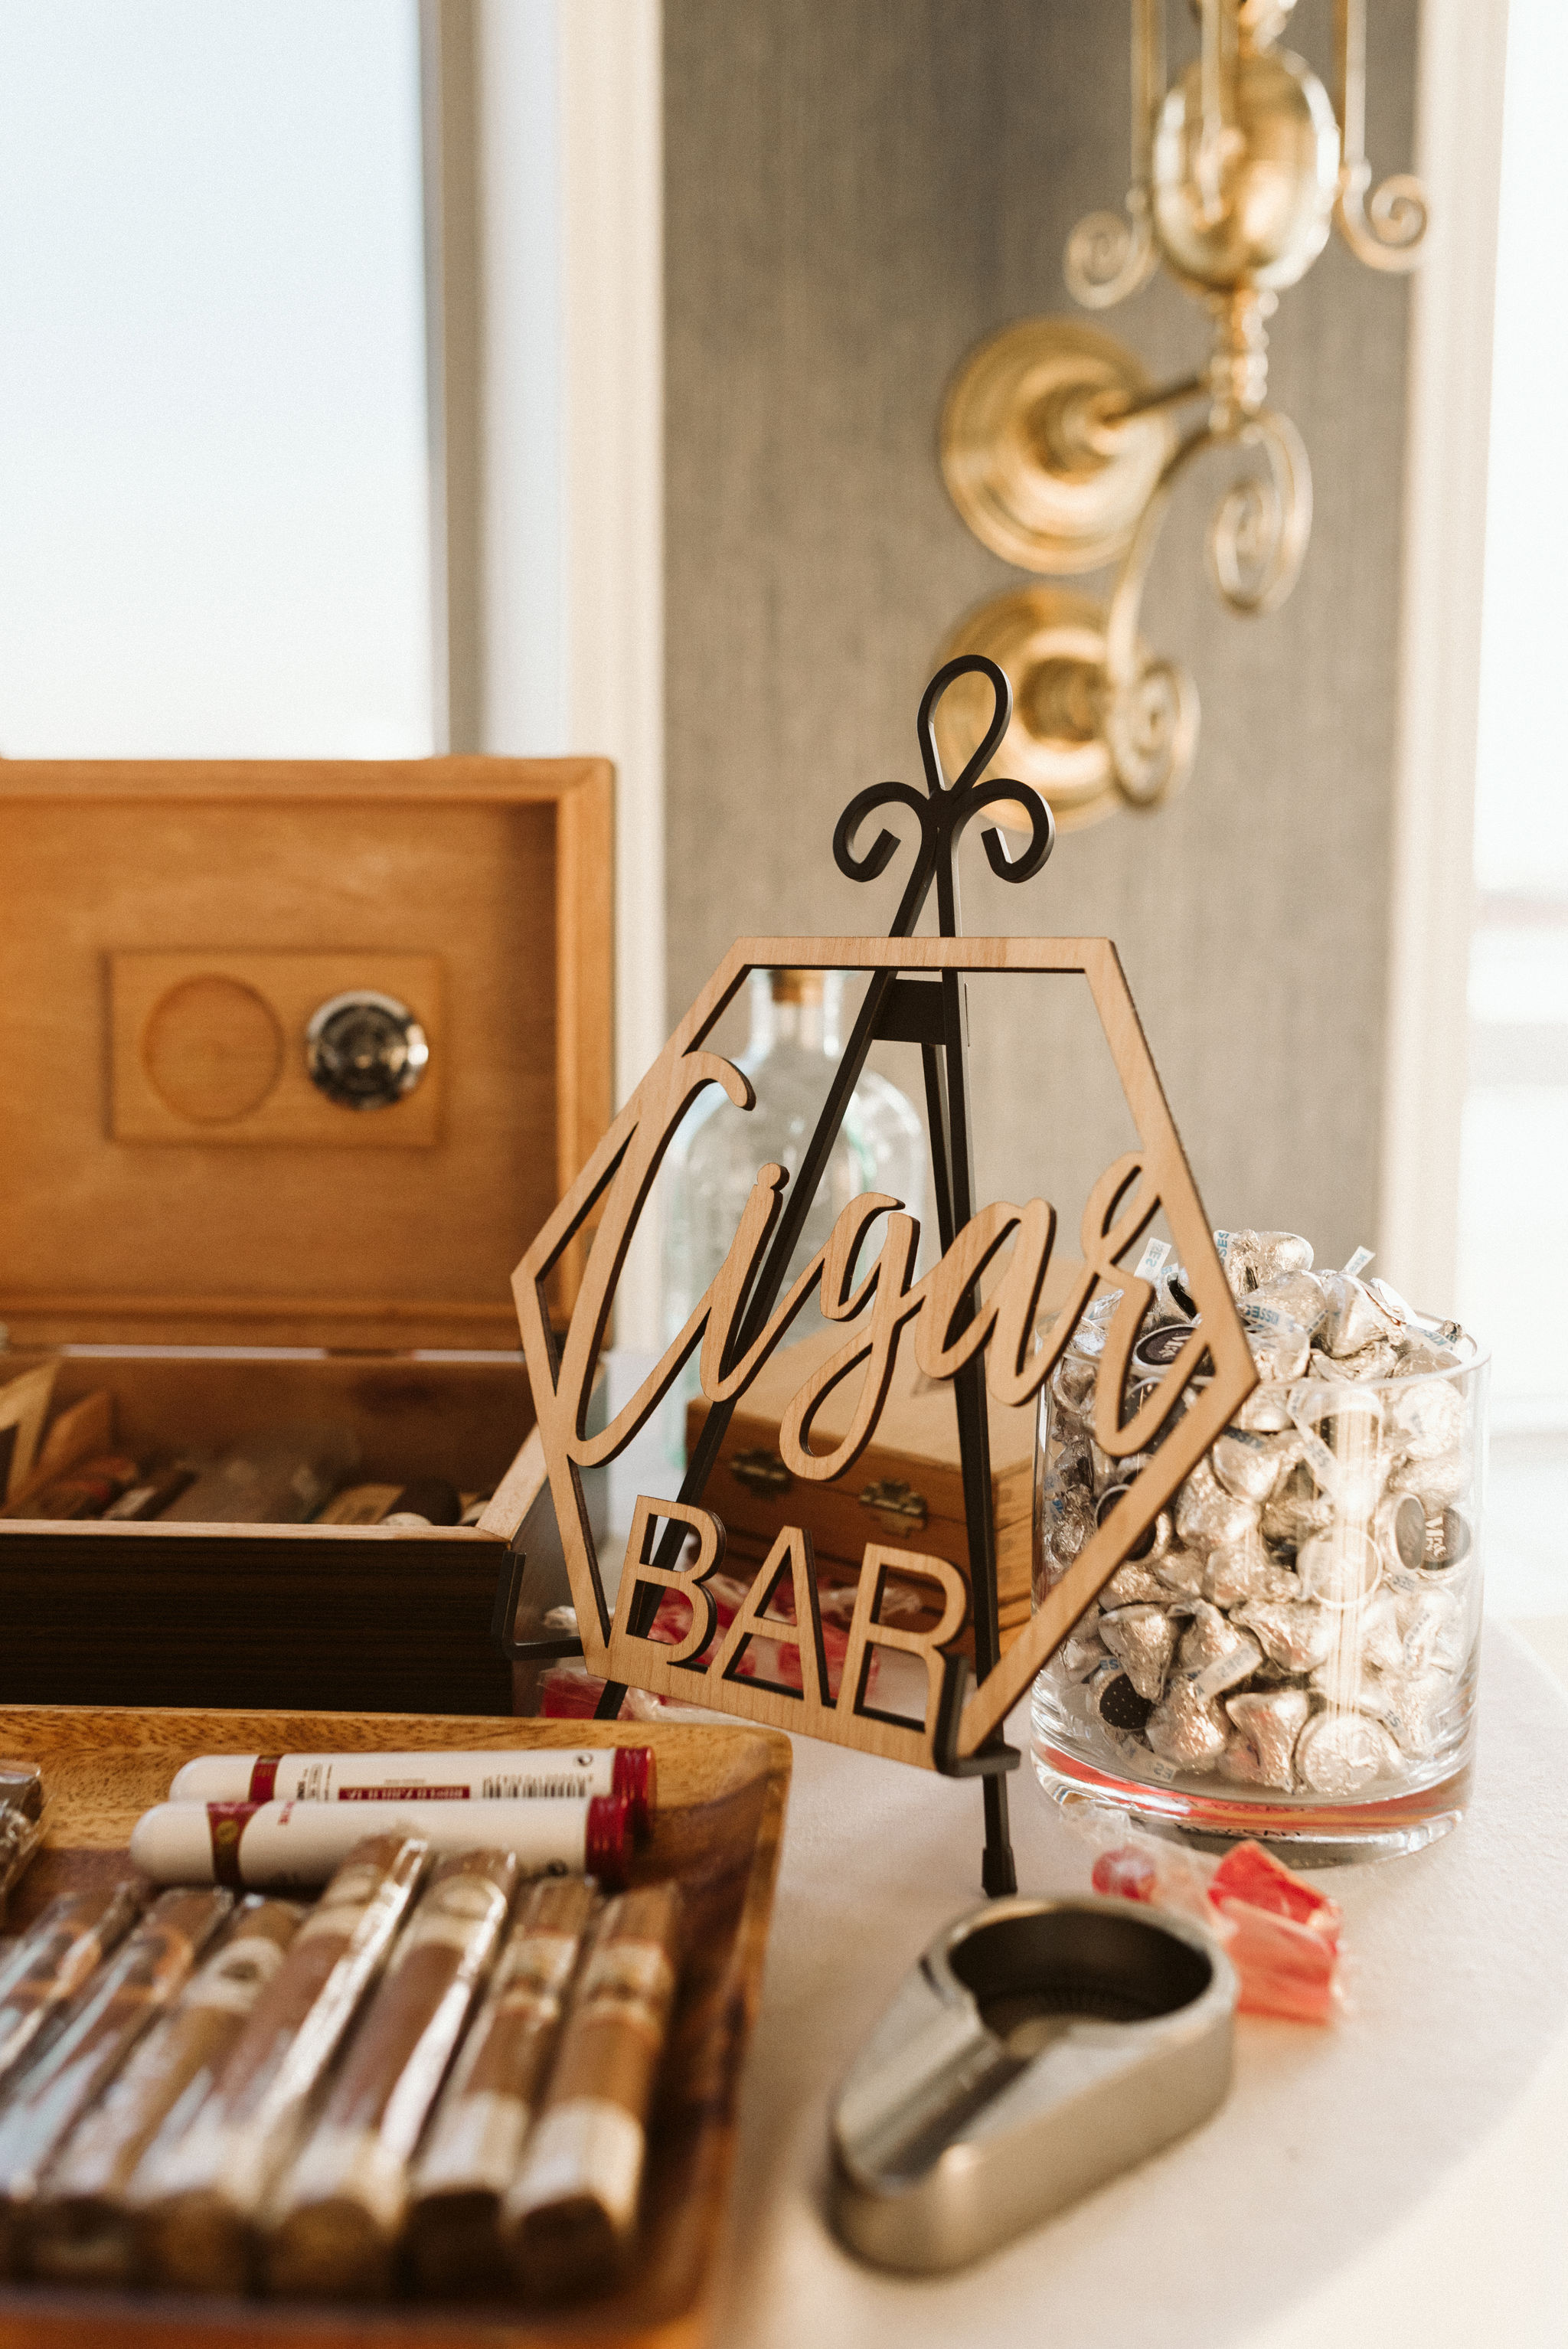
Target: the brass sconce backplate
(1051, 643)
(1060, 455)
(1017, 454)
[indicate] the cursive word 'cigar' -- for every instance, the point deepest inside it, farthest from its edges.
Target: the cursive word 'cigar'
(203, 2193)
(291, 1847)
(503, 1776)
(571, 2214)
(124, 1998)
(83, 2226)
(475, 2142)
(334, 2223)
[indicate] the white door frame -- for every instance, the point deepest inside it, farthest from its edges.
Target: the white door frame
(1459, 156)
(545, 273)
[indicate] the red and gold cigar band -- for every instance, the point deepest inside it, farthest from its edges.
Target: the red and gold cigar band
(226, 1823)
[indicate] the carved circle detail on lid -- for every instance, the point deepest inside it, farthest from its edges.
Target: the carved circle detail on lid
(213, 1049)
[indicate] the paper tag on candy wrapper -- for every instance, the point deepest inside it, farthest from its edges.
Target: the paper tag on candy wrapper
(1359, 1262)
(1151, 1262)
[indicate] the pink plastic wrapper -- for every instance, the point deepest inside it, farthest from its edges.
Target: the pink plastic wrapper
(1281, 1934)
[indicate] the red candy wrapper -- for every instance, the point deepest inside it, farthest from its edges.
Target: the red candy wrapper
(1283, 1968)
(1281, 1934)
(1252, 1875)
(1130, 1873)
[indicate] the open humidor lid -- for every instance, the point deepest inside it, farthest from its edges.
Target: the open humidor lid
(168, 931)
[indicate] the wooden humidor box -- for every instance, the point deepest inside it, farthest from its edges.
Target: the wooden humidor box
(187, 1222)
(717, 1828)
(906, 1488)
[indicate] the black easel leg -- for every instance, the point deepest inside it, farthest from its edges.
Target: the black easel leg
(998, 1873)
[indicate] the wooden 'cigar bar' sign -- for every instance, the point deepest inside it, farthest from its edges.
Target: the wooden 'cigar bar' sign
(972, 1320)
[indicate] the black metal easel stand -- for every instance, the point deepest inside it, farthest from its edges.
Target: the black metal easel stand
(900, 1007)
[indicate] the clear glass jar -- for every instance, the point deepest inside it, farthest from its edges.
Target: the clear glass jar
(791, 1058)
(1292, 1655)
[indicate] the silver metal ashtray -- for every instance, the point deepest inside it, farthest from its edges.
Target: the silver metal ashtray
(1038, 2047)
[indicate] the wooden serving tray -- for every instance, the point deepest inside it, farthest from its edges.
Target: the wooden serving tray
(721, 1819)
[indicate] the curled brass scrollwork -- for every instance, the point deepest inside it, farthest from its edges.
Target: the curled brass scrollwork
(1060, 455)
(1111, 254)
(1260, 529)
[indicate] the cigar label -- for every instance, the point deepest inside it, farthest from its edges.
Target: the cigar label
(83, 2227)
(571, 2214)
(126, 1996)
(53, 1960)
(201, 2193)
(506, 1775)
(471, 2153)
(292, 1846)
(334, 2226)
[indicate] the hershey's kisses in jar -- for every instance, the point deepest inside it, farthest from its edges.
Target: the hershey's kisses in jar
(1291, 1651)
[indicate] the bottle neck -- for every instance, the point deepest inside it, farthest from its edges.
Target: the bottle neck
(794, 1023)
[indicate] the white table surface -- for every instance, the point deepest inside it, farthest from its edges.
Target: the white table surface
(1400, 2177)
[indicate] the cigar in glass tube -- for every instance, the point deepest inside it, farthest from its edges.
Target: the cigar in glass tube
(506, 1775)
(292, 1846)
(53, 1960)
(475, 2142)
(201, 2194)
(121, 2002)
(333, 2225)
(83, 2225)
(571, 2214)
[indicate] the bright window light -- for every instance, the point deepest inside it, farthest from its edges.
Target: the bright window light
(213, 466)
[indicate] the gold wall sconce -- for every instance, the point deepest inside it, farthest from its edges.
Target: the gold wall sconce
(1062, 457)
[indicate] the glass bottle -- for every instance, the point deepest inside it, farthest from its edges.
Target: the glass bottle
(790, 1057)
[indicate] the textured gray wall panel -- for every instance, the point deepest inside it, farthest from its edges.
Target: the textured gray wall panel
(858, 189)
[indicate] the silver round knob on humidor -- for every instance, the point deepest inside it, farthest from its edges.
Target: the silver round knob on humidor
(365, 1050)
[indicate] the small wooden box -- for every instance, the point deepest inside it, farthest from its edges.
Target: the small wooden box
(186, 1221)
(906, 1488)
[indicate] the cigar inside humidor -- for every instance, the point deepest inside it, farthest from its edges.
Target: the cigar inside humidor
(474, 2145)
